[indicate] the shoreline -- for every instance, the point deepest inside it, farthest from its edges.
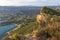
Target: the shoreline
(17, 26)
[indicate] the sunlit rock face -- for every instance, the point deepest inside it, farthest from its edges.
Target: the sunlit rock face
(42, 17)
(38, 18)
(58, 9)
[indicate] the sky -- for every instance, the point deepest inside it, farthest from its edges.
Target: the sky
(29, 2)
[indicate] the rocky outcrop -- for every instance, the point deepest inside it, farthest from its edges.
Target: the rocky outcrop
(47, 14)
(49, 21)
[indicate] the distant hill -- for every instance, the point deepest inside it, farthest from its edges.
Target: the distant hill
(21, 9)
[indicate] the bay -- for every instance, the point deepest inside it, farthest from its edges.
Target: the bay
(6, 28)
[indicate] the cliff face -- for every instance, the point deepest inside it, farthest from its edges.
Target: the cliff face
(43, 17)
(49, 21)
(47, 15)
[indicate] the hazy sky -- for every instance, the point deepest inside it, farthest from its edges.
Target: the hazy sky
(29, 2)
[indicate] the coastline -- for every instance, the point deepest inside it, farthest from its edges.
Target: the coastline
(6, 36)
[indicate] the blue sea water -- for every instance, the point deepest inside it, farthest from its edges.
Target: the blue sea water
(5, 29)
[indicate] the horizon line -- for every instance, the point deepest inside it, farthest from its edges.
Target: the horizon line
(41, 6)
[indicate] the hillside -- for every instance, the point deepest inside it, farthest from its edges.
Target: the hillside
(45, 27)
(49, 11)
